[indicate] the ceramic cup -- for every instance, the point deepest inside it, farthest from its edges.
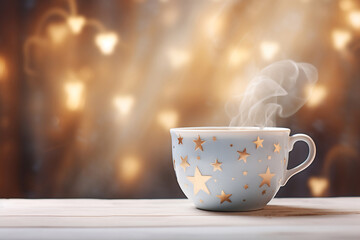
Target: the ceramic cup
(234, 169)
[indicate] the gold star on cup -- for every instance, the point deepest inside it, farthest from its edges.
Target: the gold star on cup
(243, 155)
(224, 197)
(277, 148)
(216, 165)
(258, 142)
(184, 164)
(199, 181)
(266, 177)
(180, 138)
(199, 143)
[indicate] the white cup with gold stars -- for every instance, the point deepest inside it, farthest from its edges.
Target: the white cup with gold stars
(234, 168)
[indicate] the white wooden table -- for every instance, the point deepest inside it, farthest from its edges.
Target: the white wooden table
(311, 218)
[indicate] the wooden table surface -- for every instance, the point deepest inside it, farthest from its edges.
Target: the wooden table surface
(295, 218)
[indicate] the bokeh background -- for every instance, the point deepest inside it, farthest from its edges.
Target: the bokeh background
(90, 88)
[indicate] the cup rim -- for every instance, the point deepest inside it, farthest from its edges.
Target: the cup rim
(230, 129)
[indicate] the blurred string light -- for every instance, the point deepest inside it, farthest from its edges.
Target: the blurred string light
(340, 38)
(129, 168)
(3, 71)
(269, 49)
(168, 119)
(124, 104)
(74, 95)
(318, 186)
(106, 42)
(315, 94)
(178, 57)
(354, 19)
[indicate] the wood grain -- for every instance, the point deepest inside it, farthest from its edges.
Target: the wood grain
(176, 219)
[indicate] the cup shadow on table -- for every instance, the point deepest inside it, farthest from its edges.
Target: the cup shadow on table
(286, 211)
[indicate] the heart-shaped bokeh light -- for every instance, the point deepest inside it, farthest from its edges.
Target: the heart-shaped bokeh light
(178, 57)
(106, 42)
(76, 23)
(74, 92)
(168, 118)
(318, 186)
(269, 49)
(124, 104)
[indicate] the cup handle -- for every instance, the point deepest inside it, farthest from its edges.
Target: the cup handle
(310, 158)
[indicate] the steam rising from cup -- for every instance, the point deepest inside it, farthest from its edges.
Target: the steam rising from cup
(279, 90)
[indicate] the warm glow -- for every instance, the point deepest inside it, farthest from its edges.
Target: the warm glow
(354, 18)
(318, 186)
(269, 50)
(76, 23)
(178, 57)
(170, 16)
(168, 119)
(346, 5)
(214, 26)
(340, 38)
(129, 168)
(74, 92)
(237, 56)
(124, 104)
(106, 42)
(57, 32)
(315, 95)
(2, 68)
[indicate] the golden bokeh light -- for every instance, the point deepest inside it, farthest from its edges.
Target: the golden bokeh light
(3, 69)
(106, 42)
(74, 95)
(340, 38)
(168, 119)
(76, 23)
(129, 168)
(163, 64)
(315, 94)
(346, 5)
(237, 56)
(269, 49)
(57, 32)
(214, 26)
(178, 57)
(354, 19)
(318, 186)
(124, 104)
